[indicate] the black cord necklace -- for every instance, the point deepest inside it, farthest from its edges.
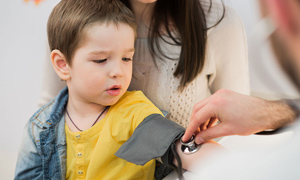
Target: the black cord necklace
(93, 123)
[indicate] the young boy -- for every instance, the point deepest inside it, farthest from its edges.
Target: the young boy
(80, 133)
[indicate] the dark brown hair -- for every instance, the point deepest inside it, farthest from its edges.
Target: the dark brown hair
(189, 20)
(69, 19)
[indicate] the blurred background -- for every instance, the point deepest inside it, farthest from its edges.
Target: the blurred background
(23, 51)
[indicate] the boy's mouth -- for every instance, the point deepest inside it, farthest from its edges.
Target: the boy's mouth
(114, 90)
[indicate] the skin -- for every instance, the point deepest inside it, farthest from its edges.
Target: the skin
(143, 1)
(142, 10)
(286, 14)
(243, 115)
(100, 73)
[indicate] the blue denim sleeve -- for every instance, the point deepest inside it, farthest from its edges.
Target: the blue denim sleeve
(29, 161)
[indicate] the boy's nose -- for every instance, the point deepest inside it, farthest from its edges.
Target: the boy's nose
(116, 71)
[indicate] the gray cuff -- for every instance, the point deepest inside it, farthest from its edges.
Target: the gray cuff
(150, 140)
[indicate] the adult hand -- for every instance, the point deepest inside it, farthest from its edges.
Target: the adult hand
(238, 115)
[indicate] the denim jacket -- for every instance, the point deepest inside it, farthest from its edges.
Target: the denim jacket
(42, 154)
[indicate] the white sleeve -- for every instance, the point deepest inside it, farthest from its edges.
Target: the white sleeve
(51, 84)
(227, 49)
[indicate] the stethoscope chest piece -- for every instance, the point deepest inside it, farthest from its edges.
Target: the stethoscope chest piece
(189, 147)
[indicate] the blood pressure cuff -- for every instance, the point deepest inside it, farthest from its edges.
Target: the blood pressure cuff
(150, 140)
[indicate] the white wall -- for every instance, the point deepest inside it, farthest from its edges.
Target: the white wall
(23, 52)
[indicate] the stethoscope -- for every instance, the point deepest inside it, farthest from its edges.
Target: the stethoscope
(191, 147)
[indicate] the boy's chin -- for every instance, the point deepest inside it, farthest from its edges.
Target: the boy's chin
(112, 101)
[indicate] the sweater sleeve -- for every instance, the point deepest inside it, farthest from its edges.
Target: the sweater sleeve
(228, 53)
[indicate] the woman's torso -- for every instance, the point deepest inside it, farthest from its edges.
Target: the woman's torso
(226, 67)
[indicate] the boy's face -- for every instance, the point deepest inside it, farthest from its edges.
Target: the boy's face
(101, 68)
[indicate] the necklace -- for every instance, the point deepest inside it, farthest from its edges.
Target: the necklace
(92, 124)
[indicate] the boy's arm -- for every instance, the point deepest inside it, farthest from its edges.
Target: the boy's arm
(29, 162)
(150, 140)
(154, 137)
(206, 152)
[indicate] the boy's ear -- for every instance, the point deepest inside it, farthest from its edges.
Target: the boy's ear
(60, 64)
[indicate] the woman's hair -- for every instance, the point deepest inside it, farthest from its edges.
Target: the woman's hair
(189, 19)
(70, 18)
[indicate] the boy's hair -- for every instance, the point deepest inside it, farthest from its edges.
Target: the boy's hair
(69, 19)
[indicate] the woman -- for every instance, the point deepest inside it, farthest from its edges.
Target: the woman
(185, 51)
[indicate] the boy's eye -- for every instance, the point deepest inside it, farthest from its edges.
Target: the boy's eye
(126, 59)
(99, 61)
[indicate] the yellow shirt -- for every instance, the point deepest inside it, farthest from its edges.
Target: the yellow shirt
(90, 153)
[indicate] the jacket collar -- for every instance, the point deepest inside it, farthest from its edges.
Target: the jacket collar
(51, 113)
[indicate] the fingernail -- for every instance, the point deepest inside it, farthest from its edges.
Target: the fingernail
(199, 140)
